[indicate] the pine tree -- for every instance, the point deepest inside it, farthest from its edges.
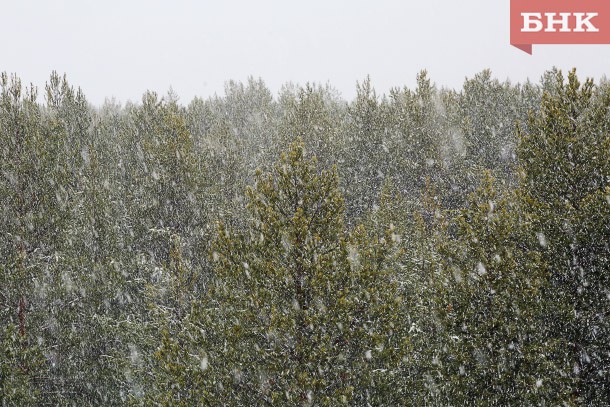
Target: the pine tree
(415, 130)
(312, 113)
(29, 225)
(299, 312)
(565, 170)
(491, 307)
(167, 181)
(365, 159)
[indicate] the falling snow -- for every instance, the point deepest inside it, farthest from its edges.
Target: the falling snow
(422, 246)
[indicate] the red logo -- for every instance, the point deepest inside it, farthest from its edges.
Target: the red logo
(559, 22)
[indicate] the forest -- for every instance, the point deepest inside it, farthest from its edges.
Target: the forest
(423, 247)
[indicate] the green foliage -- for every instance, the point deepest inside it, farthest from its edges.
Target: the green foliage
(298, 311)
(312, 113)
(565, 168)
(364, 145)
(492, 309)
(19, 363)
(172, 176)
(389, 285)
(416, 132)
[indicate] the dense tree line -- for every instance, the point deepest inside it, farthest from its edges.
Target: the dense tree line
(424, 247)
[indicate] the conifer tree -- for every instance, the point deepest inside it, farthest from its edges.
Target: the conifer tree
(313, 114)
(491, 307)
(30, 215)
(299, 311)
(415, 134)
(167, 182)
(565, 171)
(365, 155)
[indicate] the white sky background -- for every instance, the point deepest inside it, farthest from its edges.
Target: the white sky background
(120, 49)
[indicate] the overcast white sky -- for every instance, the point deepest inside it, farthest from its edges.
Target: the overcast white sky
(120, 49)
